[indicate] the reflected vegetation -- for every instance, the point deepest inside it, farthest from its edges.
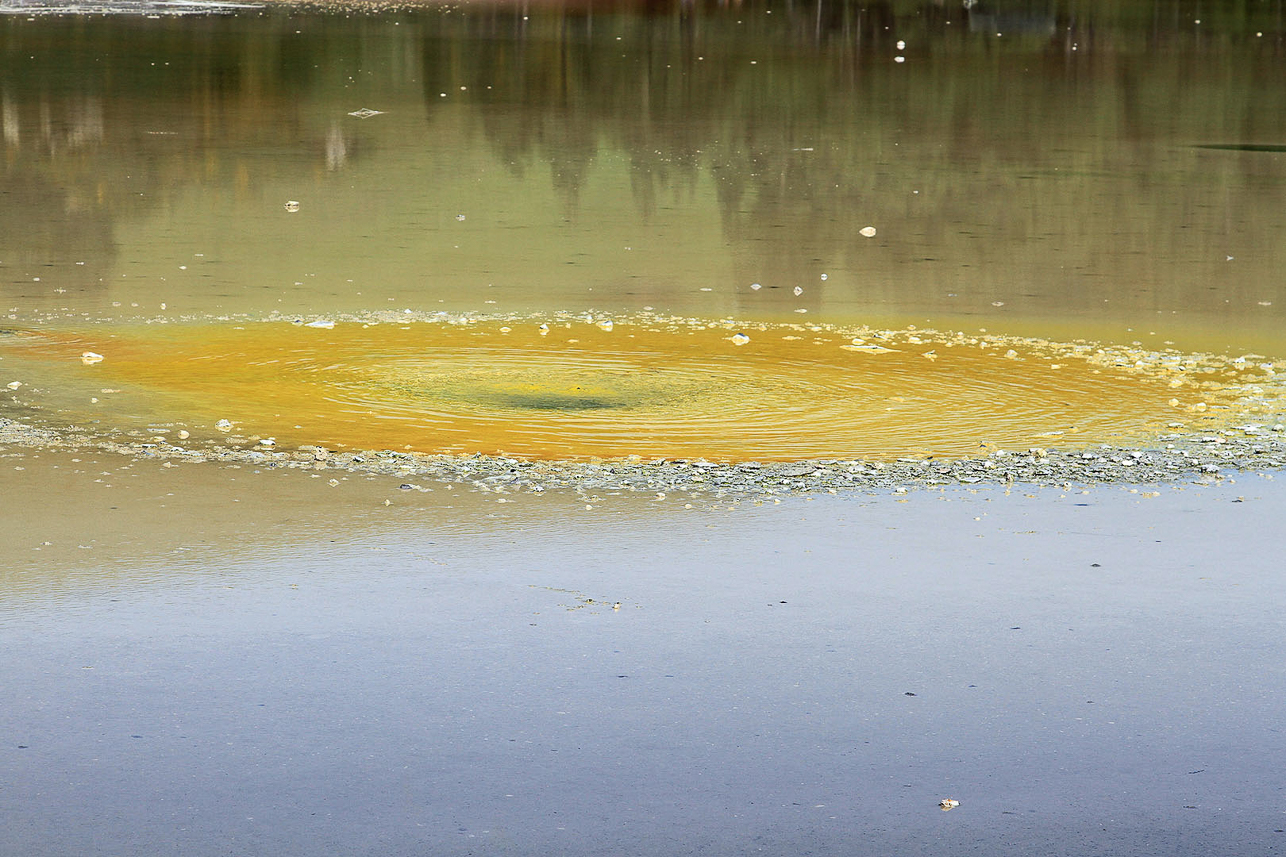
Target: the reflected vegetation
(1025, 164)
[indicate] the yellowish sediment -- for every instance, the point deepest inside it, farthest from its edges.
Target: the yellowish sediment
(579, 387)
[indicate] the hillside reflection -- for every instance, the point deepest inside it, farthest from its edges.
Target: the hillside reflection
(1047, 157)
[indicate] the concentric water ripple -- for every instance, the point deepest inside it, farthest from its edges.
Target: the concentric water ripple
(651, 388)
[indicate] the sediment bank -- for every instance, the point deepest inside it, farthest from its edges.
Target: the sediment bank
(1172, 458)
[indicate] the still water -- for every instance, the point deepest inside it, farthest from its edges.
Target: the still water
(1061, 171)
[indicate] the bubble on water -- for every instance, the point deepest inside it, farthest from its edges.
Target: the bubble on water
(798, 291)
(740, 339)
(997, 303)
(824, 277)
(89, 358)
(292, 205)
(224, 425)
(605, 324)
(901, 45)
(755, 286)
(867, 232)
(321, 323)
(544, 330)
(899, 59)
(13, 385)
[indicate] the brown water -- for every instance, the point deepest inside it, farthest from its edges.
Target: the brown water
(1057, 171)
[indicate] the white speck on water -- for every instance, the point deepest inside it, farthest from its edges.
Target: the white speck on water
(755, 287)
(824, 278)
(899, 59)
(224, 425)
(459, 217)
(901, 45)
(740, 339)
(605, 324)
(13, 385)
(292, 205)
(324, 324)
(89, 358)
(867, 232)
(798, 291)
(997, 303)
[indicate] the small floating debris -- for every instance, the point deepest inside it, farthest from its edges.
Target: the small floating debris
(605, 324)
(89, 358)
(13, 385)
(292, 205)
(224, 425)
(739, 339)
(948, 804)
(321, 323)
(867, 232)
(867, 348)
(365, 113)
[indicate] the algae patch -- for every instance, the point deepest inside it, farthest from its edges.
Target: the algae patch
(575, 388)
